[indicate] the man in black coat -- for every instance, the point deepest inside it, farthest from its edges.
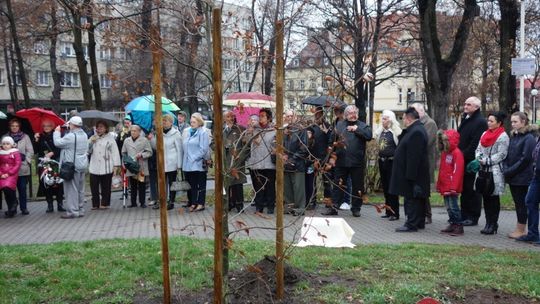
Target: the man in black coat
(410, 171)
(348, 140)
(470, 130)
(317, 146)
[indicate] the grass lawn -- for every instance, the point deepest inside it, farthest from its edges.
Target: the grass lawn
(114, 271)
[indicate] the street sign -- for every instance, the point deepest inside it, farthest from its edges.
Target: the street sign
(523, 66)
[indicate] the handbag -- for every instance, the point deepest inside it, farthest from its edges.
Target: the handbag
(67, 169)
(130, 164)
(484, 183)
(179, 184)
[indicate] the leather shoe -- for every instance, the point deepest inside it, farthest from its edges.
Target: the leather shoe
(393, 218)
(469, 223)
(527, 238)
(330, 211)
(68, 216)
(25, 212)
(406, 229)
(170, 206)
(356, 213)
(385, 216)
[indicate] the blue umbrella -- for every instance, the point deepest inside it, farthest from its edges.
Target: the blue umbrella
(146, 103)
(145, 119)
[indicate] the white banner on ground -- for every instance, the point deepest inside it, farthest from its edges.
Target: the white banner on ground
(326, 232)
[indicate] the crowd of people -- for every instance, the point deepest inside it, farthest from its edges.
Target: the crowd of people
(476, 162)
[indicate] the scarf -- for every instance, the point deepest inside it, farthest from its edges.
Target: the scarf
(490, 137)
(192, 131)
(17, 136)
(166, 130)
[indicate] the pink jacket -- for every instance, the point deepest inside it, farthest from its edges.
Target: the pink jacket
(10, 162)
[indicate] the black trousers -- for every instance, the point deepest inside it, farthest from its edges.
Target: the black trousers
(385, 169)
(11, 199)
(101, 184)
(264, 183)
(137, 188)
(236, 195)
(171, 177)
(197, 182)
(518, 195)
(415, 212)
(492, 208)
(471, 202)
(51, 192)
(341, 174)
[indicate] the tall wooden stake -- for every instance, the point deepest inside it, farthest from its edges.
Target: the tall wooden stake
(218, 140)
(156, 85)
(280, 79)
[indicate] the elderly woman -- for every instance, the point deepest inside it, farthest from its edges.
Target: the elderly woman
(387, 136)
(235, 177)
(172, 144)
(47, 149)
(491, 152)
(138, 148)
(24, 145)
(74, 147)
(196, 146)
(104, 161)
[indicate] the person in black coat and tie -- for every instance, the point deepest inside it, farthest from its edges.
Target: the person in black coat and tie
(470, 130)
(410, 171)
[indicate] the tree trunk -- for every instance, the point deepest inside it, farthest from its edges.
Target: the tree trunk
(12, 88)
(508, 26)
(20, 62)
(144, 68)
(193, 46)
(441, 70)
(53, 38)
(92, 55)
(79, 55)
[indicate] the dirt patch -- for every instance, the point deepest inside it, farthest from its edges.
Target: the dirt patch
(487, 296)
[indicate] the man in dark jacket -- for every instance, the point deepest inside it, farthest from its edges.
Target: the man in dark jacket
(348, 140)
(470, 130)
(317, 145)
(410, 171)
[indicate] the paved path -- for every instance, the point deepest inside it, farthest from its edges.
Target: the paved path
(40, 227)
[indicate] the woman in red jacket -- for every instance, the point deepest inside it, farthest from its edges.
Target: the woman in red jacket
(450, 181)
(10, 163)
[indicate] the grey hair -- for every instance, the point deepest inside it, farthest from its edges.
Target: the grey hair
(136, 127)
(169, 117)
(420, 108)
(350, 108)
(474, 100)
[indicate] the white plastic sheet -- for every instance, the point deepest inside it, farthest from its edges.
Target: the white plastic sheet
(326, 232)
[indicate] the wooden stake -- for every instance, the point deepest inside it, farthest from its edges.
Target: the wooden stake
(156, 86)
(218, 141)
(280, 79)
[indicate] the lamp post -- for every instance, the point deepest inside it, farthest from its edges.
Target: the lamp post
(534, 92)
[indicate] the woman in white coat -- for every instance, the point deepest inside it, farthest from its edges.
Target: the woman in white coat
(104, 161)
(172, 144)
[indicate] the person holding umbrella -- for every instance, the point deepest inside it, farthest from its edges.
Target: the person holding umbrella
(104, 161)
(47, 149)
(24, 145)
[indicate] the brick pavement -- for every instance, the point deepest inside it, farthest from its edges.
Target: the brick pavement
(117, 222)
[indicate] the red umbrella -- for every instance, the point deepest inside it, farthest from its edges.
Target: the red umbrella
(36, 116)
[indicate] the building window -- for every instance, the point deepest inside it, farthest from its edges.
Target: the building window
(18, 79)
(410, 95)
(105, 53)
(41, 47)
(66, 49)
(69, 79)
(290, 84)
(245, 86)
(302, 84)
(400, 98)
(42, 78)
(312, 84)
(123, 54)
(105, 81)
(1, 76)
(311, 62)
(296, 62)
(326, 61)
(227, 64)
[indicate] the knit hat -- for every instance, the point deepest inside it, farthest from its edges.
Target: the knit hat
(9, 140)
